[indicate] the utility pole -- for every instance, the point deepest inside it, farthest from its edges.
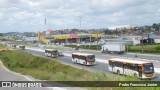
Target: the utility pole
(97, 41)
(80, 28)
(142, 41)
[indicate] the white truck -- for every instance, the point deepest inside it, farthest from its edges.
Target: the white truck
(113, 48)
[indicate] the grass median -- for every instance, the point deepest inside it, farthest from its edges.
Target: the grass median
(52, 70)
(151, 49)
(2, 48)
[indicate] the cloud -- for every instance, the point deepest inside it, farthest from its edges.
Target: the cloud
(61, 14)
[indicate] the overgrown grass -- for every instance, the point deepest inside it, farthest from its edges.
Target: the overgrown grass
(2, 48)
(46, 69)
(19, 61)
(147, 49)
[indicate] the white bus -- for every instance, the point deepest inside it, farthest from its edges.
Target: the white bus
(51, 53)
(83, 58)
(140, 69)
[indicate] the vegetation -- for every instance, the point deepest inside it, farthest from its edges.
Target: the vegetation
(155, 49)
(46, 69)
(51, 69)
(2, 48)
(1, 34)
(91, 47)
(147, 49)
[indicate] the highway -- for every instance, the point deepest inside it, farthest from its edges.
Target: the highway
(99, 67)
(149, 57)
(155, 59)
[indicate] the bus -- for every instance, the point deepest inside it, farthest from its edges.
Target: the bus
(136, 68)
(51, 53)
(83, 58)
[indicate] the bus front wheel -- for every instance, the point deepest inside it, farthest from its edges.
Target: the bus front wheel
(118, 72)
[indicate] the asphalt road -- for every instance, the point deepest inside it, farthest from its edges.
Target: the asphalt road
(99, 67)
(150, 57)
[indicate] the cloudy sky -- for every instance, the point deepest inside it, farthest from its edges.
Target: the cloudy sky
(29, 15)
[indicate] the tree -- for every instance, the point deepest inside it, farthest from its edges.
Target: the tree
(107, 31)
(124, 31)
(1, 34)
(154, 25)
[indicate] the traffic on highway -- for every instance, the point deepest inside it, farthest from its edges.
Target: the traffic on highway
(79, 45)
(123, 66)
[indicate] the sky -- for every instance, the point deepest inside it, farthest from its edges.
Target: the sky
(29, 15)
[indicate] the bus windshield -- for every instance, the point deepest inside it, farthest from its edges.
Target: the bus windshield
(91, 58)
(148, 68)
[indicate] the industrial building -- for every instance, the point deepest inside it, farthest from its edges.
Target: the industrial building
(69, 38)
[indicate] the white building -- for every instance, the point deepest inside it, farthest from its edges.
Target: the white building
(134, 39)
(31, 39)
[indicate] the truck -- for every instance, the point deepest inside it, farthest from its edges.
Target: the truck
(113, 48)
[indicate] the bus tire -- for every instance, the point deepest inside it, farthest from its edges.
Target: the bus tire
(118, 72)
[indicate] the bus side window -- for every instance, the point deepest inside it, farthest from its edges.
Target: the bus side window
(133, 66)
(83, 58)
(113, 64)
(79, 57)
(118, 64)
(128, 66)
(76, 56)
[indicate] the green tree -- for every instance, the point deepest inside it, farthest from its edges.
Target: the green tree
(1, 34)
(154, 25)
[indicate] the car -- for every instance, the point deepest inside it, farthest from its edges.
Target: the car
(60, 54)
